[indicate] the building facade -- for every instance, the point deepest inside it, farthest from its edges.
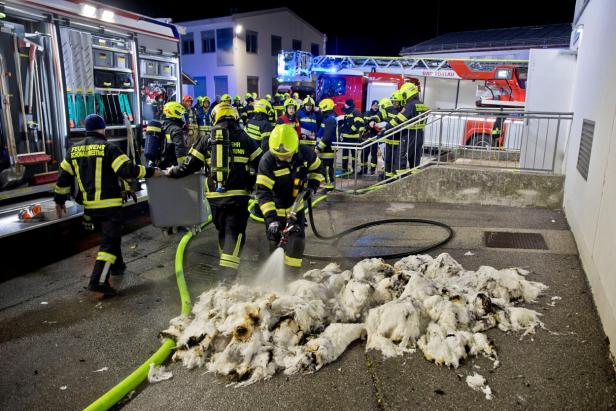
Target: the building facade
(238, 53)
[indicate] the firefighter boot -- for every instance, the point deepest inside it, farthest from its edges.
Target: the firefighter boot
(99, 281)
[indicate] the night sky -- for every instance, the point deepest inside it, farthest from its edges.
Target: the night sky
(376, 33)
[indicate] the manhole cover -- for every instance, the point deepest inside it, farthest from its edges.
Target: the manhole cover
(529, 241)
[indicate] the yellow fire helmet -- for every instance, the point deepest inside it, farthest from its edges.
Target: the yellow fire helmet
(262, 106)
(283, 140)
(396, 96)
(326, 104)
(308, 101)
(290, 102)
(410, 89)
(384, 102)
(254, 95)
(226, 98)
(225, 112)
(268, 97)
(173, 109)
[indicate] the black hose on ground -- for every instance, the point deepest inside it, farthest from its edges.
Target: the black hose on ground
(348, 231)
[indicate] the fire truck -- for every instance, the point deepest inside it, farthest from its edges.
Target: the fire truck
(59, 61)
(500, 83)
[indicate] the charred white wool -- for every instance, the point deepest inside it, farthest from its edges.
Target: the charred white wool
(432, 304)
(393, 328)
(327, 347)
(478, 383)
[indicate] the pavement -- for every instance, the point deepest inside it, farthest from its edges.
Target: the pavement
(62, 349)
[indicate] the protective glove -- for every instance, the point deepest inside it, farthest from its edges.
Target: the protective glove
(273, 230)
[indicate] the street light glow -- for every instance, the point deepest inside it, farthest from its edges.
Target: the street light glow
(238, 29)
(88, 10)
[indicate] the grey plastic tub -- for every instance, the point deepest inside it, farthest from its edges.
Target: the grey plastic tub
(178, 202)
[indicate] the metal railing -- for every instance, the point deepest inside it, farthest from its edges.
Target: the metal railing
(492, 138)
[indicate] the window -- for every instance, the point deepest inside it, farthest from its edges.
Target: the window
(251, 42)
(252, 84)
(297, 45)
(224, 43)
(208, 41)
(332, 87)
(583, 162)
(188, 44)
(200, 88)
(276, 45)
(314, 49)
(221, 85)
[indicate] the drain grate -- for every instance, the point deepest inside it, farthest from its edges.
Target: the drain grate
(529, 241)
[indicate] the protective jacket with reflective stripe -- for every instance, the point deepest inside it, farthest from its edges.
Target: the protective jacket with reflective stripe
(353, 124)
(328, 134)
(308, 126)
(259, 129)
(278, 182)
(245, 154)
(175, 149)
(97, 166)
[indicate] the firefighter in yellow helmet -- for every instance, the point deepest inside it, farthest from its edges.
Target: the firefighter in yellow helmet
(259, 127)
(326, 136)
(350, 132)
(229, 182)
(285, 171)
(175, 145)
(371, 118)
(410, 141)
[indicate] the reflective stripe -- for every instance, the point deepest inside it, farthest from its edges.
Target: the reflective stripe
(107, 257)
(316, 176)
(282, 212)
(228, 264)
(238, 245)
(98, 175)
(110, 202)
(265, 181)
(66, 167)
(168, 137)
(142, 172)
(254, 135)
(392, 142)
(255, 154)
(307, 120)
(308, 142)
(322, 144)
(327, 155)
(254, 127)
(267, 207)
(282, 172)
(153, 129)
(229, 193)
(230, 257)
(401, 117)
(292, 262)
(79, 183)
(181, 159)
(315, 164)
(197, 154)
(119, 160)
(242, 160)
(345, 135)
(62, 190)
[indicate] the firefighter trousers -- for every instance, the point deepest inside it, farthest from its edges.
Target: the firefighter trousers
(348, 154)
(415, 147)
(330, 172)
(395, 156)
(109, 257)
(230, 219)
(372, 153)
(296, 242)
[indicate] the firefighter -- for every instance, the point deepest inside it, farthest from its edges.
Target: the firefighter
(350, 131)
(371, 117)
(174, 147)
(278, 104)
(308, 122)
(290, 116)
(298, 100)
(248, 111)
(413, 138)
(191, 120)
(393, 154)
(268, 97)
(237, 103)
(100, 169)
(203, 115)
(326, 136)
(285, 170)
(259, 126)
(228, 195)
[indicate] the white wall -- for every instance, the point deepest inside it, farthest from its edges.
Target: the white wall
(263, 65)
(590, 205)
(551, 75)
